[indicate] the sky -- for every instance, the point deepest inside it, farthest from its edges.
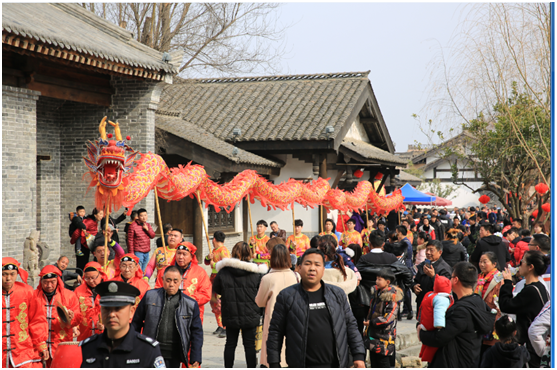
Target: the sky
(395, 41)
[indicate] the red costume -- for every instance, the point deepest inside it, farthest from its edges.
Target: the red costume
(195, 281)
(57, 330)
(89, 305)
(24, 329)
(137, 280)
(425, 314)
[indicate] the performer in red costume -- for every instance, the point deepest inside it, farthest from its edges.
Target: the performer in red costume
(195, 281)
(24, 332)
(49, 292)
(89, 301)
(130, 272)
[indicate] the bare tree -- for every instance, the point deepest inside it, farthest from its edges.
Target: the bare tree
(493, 80)
(222, 39)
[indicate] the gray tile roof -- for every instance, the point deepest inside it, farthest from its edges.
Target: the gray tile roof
(270, 108)
(406, 177)
(198, 136)
(368, 151)
(72, 27)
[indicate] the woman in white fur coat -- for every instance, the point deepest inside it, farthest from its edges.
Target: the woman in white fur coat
(279, 278)
(237, 282)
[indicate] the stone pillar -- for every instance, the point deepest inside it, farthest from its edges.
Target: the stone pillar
(19, 168)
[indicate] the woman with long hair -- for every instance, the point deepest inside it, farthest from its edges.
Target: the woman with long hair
(488, 287)
(453, 251)
(336, 273)
(279, 277)
(423, 239)
(527, 304)
(237, 282)
(539, 228)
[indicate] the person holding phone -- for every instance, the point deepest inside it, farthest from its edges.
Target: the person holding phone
(433, 265)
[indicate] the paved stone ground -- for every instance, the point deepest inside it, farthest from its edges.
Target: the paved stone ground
(213, 347)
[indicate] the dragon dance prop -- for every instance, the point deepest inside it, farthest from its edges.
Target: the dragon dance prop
(123, 179)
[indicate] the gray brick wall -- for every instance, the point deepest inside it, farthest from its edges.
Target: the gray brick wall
(41, 194)
(19, 150)
(133, 106)
(48, 173)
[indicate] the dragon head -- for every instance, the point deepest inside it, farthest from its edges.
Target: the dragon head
(110, 163)
(109, 160)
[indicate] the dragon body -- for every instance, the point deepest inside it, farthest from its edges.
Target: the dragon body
(122, 179)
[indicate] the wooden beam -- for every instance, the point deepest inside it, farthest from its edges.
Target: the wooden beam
(198, 230)
(73, 84)
(66, 93)
(245, 220)
(337, 179)
(385, 175)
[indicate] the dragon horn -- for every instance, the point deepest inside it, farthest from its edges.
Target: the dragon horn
(117, 131)
(102, 128)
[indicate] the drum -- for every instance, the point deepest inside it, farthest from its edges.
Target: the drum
(68, 355)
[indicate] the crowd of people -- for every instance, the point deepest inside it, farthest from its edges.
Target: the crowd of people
(481, 283)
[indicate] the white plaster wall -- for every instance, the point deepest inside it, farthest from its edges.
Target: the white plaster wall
(357, 131)
(294, 168)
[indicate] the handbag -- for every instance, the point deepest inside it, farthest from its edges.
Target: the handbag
(259, 335)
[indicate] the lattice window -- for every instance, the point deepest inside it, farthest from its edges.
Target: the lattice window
(220, 221)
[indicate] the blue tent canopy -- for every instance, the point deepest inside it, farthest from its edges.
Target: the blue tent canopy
(412, 195)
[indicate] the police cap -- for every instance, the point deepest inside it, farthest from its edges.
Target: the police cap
(116, 293)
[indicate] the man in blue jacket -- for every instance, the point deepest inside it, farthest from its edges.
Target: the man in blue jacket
(172, 318)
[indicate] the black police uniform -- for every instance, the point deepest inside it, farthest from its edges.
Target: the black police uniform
(132, 350)
(136, 350)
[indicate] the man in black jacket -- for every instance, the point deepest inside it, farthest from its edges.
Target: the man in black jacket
(369, 265)
(437, 226)
(172, 318)
(316, 320)
(489, 242)
(425, 277)
(466, 322)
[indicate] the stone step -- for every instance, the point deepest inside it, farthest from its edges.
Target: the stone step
(406, 339)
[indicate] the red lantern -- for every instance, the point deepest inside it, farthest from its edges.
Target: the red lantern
(541, 188)
(484, 199)
(546, 207)
(358, 173)
(379, 176)
(535, 213)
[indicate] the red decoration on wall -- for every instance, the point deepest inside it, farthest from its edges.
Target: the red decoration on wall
(546, 207)
(484, 199)
(541, 188)
(128, 137)
(358, 174)
(379, 176)
(535, 213)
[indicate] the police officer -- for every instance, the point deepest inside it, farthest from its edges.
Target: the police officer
(119, 345)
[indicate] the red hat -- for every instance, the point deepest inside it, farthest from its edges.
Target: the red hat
(128, 257)
(49, 272)
(97, 267)
(9, 263)
(188, 247)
